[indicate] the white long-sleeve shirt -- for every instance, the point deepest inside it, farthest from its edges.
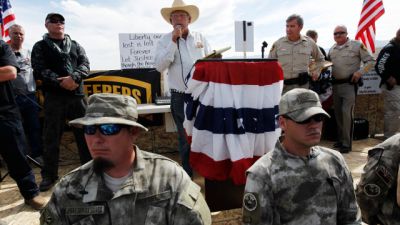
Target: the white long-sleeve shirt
(168, 56)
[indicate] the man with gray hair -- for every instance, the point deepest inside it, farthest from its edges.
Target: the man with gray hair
(296, 53)
(25, 90)
(346, 56)
(122, 184)
(299, 182)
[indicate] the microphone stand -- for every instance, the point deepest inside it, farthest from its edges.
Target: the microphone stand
(264, 45)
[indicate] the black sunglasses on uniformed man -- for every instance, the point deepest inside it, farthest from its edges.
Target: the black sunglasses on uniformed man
(56, 21)
(317, 118)
(105, 129)
(339, 33)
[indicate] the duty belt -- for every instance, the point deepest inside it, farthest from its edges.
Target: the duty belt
(340, 81)
(302, 79)
(291, 81)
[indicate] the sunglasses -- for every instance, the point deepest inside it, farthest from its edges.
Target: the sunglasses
(105, 129)
(56, 21)
(339, 33)
(317, 118)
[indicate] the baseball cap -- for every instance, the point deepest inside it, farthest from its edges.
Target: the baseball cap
(53, 15)
(106, 108)
(300, 104)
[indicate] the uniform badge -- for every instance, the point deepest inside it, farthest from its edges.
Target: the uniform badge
(372, 190)
(250, 202)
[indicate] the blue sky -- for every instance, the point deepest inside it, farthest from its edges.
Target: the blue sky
(95, 24)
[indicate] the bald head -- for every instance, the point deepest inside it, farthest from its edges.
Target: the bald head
(17, 35)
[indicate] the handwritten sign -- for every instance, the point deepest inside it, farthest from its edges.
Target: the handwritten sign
(371, 84)
(137, 50)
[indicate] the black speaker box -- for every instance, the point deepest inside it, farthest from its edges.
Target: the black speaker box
(361, 129)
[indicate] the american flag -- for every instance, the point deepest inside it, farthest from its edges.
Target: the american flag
(7, 19)
(371, 11)
(231, 110)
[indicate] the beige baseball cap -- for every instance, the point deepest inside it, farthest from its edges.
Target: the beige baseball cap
(299, 104)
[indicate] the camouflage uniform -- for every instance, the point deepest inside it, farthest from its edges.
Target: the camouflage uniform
(282, 188)
(347, 60)
(295, 57)
(158, 192)
(376, 191)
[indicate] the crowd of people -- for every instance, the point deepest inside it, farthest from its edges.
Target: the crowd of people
(298, 182)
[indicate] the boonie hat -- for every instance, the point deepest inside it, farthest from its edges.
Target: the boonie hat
(300, 104)
(105, 108)
(52, 15)
(192, 10)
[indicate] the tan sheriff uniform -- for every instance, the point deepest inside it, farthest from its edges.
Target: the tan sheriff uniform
(296, 57)
(347, 60)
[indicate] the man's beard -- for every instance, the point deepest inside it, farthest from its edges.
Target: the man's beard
(102, 164)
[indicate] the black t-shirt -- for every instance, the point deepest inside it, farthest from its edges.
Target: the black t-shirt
(8, 106)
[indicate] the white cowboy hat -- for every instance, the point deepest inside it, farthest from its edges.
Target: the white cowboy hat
(192, 10)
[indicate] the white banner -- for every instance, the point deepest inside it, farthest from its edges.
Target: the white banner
(137, 50)
(371, 84)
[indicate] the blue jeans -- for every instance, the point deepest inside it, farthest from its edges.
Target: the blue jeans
(13, 148)
(30, 120)
(177, 111)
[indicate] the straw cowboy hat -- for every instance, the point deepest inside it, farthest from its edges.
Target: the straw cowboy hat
(192, 10)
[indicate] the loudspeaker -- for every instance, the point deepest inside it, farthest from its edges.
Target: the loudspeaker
(361, 129)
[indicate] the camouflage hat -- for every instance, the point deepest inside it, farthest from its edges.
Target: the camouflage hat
(300, 104)
(107, 108)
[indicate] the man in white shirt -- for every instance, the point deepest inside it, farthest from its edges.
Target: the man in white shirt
(177, 51)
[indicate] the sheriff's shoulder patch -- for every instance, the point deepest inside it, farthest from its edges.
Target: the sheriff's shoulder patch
(272, 48)
(363, 47)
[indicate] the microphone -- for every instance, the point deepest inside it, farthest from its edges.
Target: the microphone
(179, 27)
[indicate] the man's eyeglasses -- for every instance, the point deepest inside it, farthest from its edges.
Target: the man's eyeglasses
(105, 129)
(339, 33)
(177, 15)
(317, 118)
(56, 21)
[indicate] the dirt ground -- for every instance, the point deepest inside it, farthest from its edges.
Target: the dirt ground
(13, 211)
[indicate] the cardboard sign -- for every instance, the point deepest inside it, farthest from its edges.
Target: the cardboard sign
(137, 50)
(371, 84)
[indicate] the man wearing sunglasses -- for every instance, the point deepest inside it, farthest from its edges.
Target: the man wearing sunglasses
(123, 185)
(346, 56)
(299, 182)
(60, 63)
